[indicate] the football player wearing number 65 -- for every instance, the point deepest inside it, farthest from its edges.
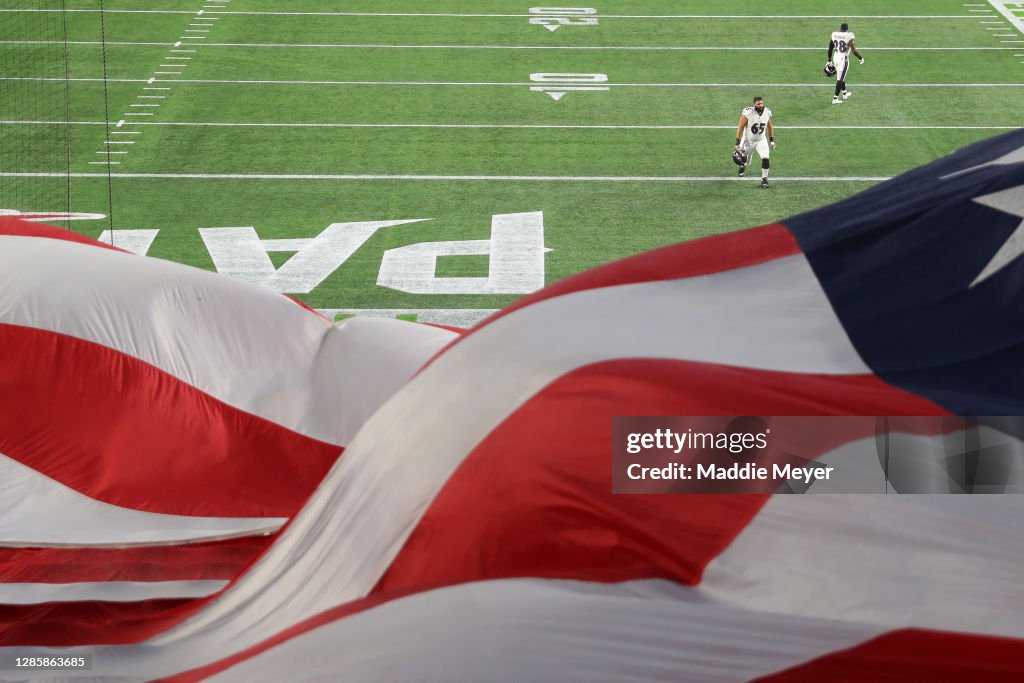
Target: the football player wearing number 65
(840, 45)
(755, 122)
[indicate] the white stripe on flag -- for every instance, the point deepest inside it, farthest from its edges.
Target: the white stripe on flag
(943, 562)
(108, 591)
(37, 511)
(528, 630)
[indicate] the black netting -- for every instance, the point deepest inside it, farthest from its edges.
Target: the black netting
(35, 136)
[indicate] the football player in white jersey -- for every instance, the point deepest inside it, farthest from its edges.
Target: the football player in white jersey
(840, 45)
(755, 123)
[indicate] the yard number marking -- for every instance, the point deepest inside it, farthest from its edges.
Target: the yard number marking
(553, 17)
(562, 83)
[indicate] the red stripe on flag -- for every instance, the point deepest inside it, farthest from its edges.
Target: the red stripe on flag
(303, 304)
(124, 432)
(218, 560)
(19, 228)
(91, 622)
(534, 498)
(915, 655)
(688, 259)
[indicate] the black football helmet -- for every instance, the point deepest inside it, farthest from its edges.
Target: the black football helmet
(739, 158)
(830, 69)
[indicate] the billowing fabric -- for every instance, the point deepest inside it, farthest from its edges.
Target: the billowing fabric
(158, 424)
(469, 532)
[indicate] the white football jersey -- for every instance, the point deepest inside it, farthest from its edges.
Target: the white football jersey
(757, 124)
(841, 42)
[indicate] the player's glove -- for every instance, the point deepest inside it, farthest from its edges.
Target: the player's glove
(772, 143)
(860, 59)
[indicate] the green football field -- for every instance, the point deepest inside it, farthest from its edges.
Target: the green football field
(229, 134)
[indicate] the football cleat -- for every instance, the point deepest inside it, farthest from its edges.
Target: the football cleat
(836, 100)
(764, 183)
(742, 171)
(739, 158)
(846, 94)
(830, 69)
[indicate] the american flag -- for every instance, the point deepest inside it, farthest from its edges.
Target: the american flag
(468, 532)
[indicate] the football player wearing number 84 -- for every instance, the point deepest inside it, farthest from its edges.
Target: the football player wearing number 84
(755, 122)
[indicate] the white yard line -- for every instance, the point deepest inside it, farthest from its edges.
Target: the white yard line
(613, 85)
(608, 48)
(495, 15)
(380, 46)
(609, 126)
(495, 178)
(519, 84)
(81, 42)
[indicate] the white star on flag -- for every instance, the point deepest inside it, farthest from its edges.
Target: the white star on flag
(1009, 201)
